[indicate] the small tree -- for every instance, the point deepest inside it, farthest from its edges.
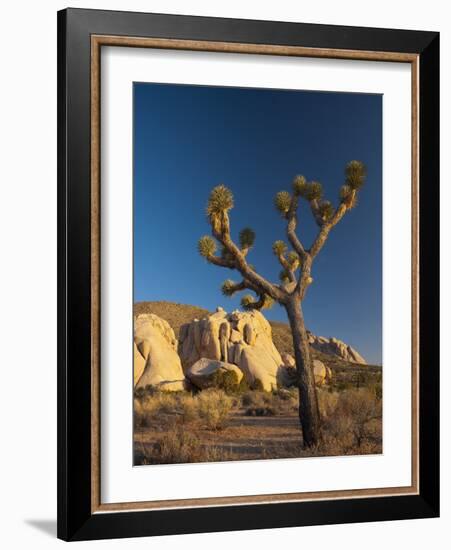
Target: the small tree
(296, 265)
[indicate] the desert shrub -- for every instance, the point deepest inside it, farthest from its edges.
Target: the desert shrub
(360, 404)
(377, 388)
(355, 419)
(327, 402)
(187, 407)
(139, 393)
(167, 402)
(149, 406)
(225, 380)
(179, 446)
(260, 411)
(248, 399)
(257, 385)
(344, 385)
(286, 394)
(139, 420)
(144, 411)
(362, 379)
(280, 401)
(214, 407)
(268, 398)
(243, 386)
(175, 447)
(254, 398)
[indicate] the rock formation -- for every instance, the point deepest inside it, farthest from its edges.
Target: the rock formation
(239, 341)
(243, 339)
(202, 373)
(156, 362)
(333, 346)
(321, 372)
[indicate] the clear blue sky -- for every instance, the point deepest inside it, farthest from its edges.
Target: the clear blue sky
(187, 139)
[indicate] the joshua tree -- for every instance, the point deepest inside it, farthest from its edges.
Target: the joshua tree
(296, 265)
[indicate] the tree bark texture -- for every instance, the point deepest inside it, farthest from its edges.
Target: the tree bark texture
(308, 403)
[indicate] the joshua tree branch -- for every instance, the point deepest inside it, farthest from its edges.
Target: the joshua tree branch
(288, 268)
(221, 262)
(314, 207)
(291, 229)
(258, 304)
(326, 228)
(222, 233)
(229, 288)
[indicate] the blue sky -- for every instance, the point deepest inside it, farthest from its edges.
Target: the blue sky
(187, 139)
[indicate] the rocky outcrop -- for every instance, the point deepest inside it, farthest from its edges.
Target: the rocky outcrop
(156, 361)
(333, 346)
(321, 372)
(243, 339)
(202, 373)
(288, 360)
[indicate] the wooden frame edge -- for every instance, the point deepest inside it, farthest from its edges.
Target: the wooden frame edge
(98, 40)
(229, 47)
(95, 275)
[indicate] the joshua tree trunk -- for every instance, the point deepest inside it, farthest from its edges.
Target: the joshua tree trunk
(308, 404)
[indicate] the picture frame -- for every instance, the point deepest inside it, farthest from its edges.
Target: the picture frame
(81, 36)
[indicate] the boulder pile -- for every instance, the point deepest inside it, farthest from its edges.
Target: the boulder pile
(243, 339)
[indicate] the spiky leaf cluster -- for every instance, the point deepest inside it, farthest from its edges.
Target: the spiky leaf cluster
(325, 210)
(268, 302)
(247, 301)
(311, 191)
(282, 201)
(355, 173)
(220, 200)
(299, 185)
(247, 237)
(293, 259)
(228, 287)
(279, 248)
(206, 246)
(283, 276)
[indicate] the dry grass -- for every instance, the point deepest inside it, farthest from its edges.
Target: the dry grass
(211, 407)
(352, 421)
(280, 402)
(236, 423)
(215, 426)
(178, 446)
(214, 407)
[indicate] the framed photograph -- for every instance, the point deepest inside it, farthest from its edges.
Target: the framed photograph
(248, 274)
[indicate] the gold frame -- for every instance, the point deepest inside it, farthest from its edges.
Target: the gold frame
(97, 41)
